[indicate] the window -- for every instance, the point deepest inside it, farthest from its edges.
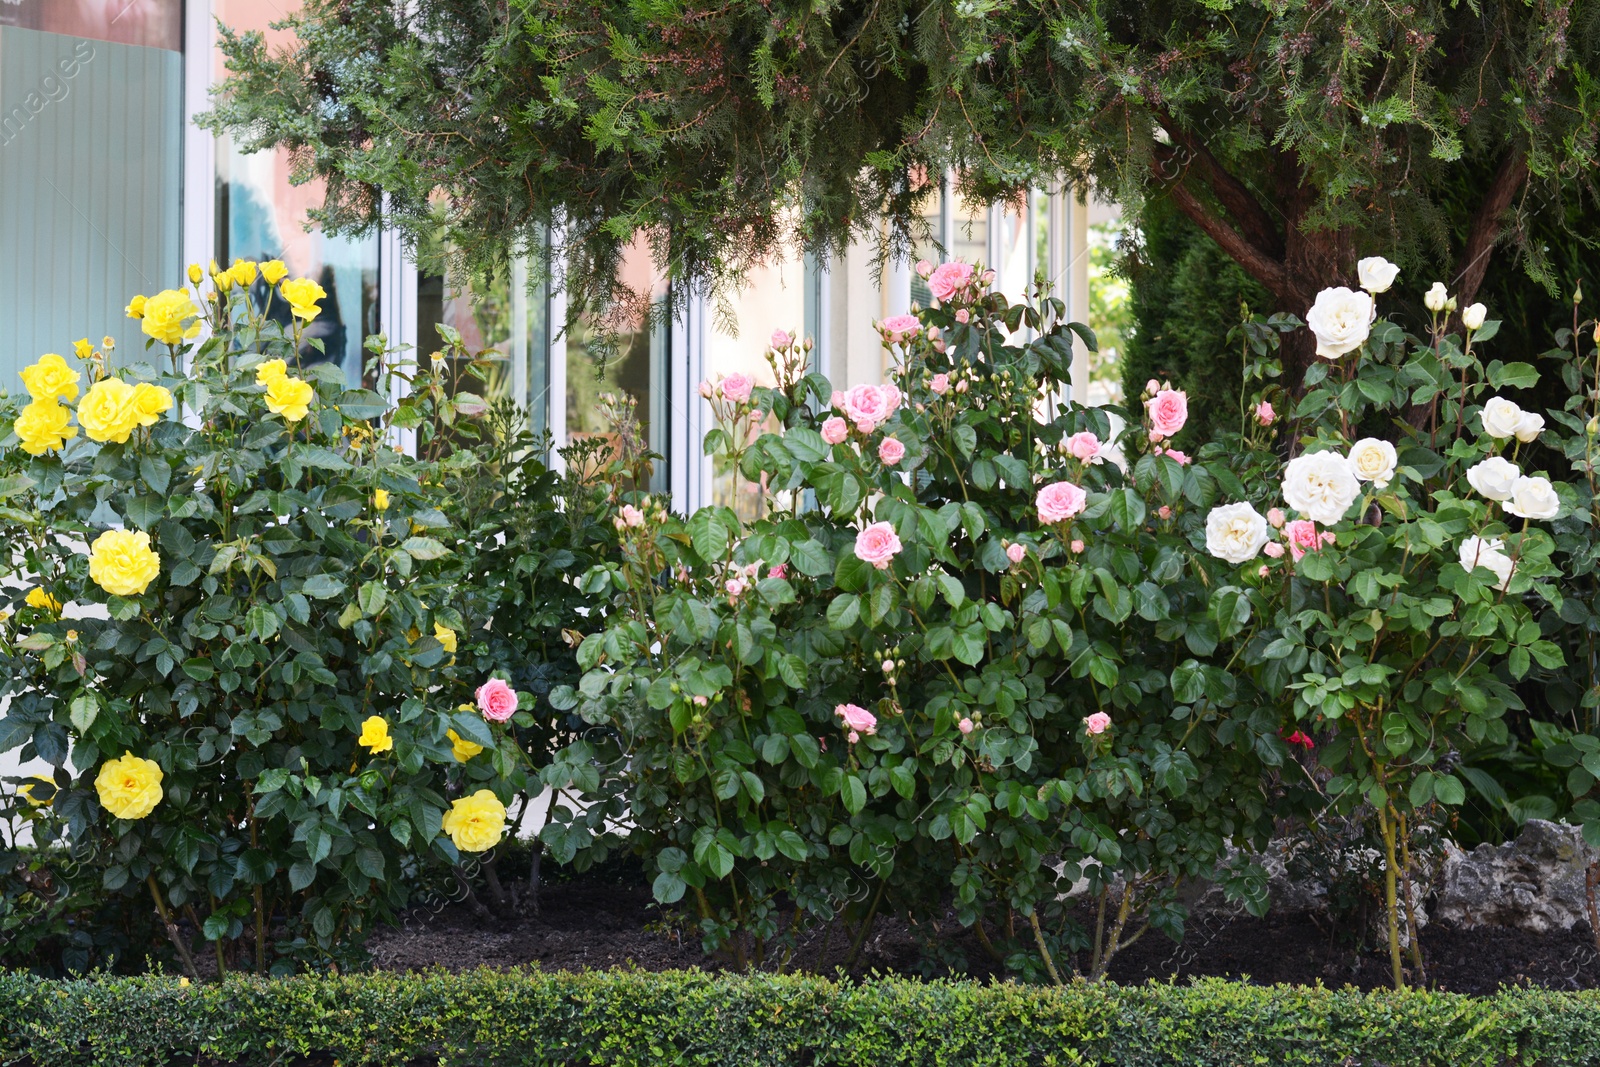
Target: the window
(91, 127)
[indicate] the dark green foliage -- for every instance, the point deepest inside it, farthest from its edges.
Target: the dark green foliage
(635, 1019)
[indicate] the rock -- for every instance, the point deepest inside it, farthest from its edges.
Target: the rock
(1534, 883)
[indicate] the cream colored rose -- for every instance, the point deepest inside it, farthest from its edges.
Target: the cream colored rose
(1494, 477)
(1372, 460)
(1533, 498)
(1472, 316)
(1341, 319)
(1486, 552)
(1376, 274)
(1529, 427)
(1501, 417)
(1321, 486)
(1436, 298)
(1235, 532)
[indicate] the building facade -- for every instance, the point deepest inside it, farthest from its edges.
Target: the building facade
(107, 188)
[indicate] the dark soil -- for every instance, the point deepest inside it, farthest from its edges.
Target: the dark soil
(598, 921)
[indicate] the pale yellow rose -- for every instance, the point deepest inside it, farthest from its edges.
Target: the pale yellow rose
(51, 378)
(289, 397)
(274, 271)
(303, 294)
(167, 315)
(476, 823)
(108, 412)
(150, 402)
(129, 787)
(43, 426)
(461, 748)
(122, 562)
(375, 734)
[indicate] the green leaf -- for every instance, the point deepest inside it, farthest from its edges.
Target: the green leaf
(323, 587)
(85, 709)
(424, 547)
(372, 598)
(853, 793)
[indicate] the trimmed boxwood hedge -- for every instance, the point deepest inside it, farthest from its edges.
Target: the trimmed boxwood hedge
(683, 1018)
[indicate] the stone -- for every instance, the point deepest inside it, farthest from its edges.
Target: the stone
(1534, 883)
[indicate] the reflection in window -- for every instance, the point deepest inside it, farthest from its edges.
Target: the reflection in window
(969, 236)
(261, 216)
(147, 23)
(930, 249)
(636, 367)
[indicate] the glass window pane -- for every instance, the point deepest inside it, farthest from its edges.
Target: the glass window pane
(481, 314)
(969, 241)
(148, 23)
(1013, 264)
(930, 249)
(261, 215)
(90, 164)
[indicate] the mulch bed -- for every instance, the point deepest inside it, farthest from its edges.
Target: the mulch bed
(597, 922)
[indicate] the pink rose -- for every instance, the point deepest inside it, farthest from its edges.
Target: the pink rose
(1059, 501)
(1177, 457)
(857, 719)
(940, 384)
(1084, 446)
(948, 279)
(965, 725)
(496, 700)
(734, 586)
(700, 701)
(1273, 549)
(1016, 553)
(963, 315)
(878, 545)
(852, 737)
(988, 277)
(1303, 537)
(779, 570)
(835, 430)
(1168, 411)
(1275, 516)
(1097, 724)
(891, 398)
(1265, 414)
(870, 404)
(1152, 386)
(924, 268)
(1164, 512)
(899, 326)
(706, 390)
(632, 516)
(780, 339)
(1077, 545)
(1264, 570)
(837, 400)
(736, 387)
(890, 451)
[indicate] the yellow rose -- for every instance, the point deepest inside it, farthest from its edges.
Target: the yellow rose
(303, 294)
(273, 370)
(222, 279)
(375, 734)
(43, 427)
(135, 308)
(38, 598)
(108, 342)
(25, 791)
(446, 637)
(82, 349)
(166, 317)
(380, 499)
(476, 823)
(462, 750)
(289, 397)
(108, 411)
(195, 274)
(51, 378)
(150, 402)
(244, 272)
(122, 562)
(274, 271)
(129, 787)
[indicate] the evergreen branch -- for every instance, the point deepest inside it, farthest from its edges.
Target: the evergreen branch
(1235, 197)
(1259, 262)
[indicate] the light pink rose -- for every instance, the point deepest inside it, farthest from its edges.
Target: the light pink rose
(780, 339)
(948, 279)
(1275, 516)
(1016, 553)
(898, 326)
(737, 387)
(700, 701)
(779, 570)
(1097, 724)
(961, 386)
(837, 400)
(1328, 538)
(924, 268)
(963, 315)
(965, 725)
(890, 451)
(1152, 386)
(878, 544)
(940, 384)
(1059, 501)
(891, 398)
(1077, 545)
(835, 430)
(1084, 446)
(1303, 537)
(988, 277)
(1164, 512)
(1168, 411)
(632, 516)
(870, 404)
(706, 390)
(857, 719)
(1265, 414)
(1177, 457)
(496, 700)
(734, 586)
(1264, 570)
(1273, 549)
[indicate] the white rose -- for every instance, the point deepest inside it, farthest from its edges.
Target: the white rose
(1529, 426)
(1486, 552)
(1472, 316)
(1372, 460)
(1321, 486)
(1235, 532)
(1494, 477)
(1341, 318)
(1533, 498)
(1501, 417)
(1436, 298)
(1376, 274)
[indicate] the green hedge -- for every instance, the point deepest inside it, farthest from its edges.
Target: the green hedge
(683, 1018)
